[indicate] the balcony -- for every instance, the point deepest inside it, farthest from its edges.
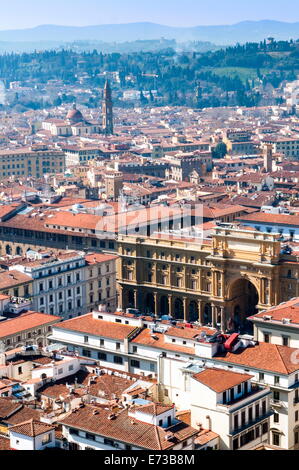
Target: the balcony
(252, 423)
(277, 403)
(255, 393)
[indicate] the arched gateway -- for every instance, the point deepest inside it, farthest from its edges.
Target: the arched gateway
(242, 302)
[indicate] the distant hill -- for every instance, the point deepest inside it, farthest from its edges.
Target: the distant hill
(223, 35)
(150, 45)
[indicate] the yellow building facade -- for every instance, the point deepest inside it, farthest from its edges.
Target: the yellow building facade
(217, 281)
(27, 162)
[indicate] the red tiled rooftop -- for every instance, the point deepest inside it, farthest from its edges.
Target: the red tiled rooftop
(220, 380)
(26, 322)
(263, 356)
(88, 324)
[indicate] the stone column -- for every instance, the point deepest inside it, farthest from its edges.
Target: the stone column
(200, 282)
(214, 316)
(200, 312)
(170, 312)
(156, 303)
(120, 300)
(271, 292)
(214, 288)
(223, 319)
(186, 316)
(222, 285)
(262, 291)
(136, 298)
(155, 272)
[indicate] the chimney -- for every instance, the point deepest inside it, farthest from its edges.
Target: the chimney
(208, 418)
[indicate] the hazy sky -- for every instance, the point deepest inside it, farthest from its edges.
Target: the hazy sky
(28, 13)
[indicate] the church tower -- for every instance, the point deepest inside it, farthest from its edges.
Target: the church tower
(268, 158)
(107, 110)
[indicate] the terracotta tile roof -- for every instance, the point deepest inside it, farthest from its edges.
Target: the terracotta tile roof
(152, 409)
(184, 415)
(279, 219)
(70, 219)
(190, 333)
(32, 428)
(88, 324)
(26, 322)
(264, 356)
(106, 386)
(95, 258)
(8, 407)
(22, 415)
(126, 429)
(13, 278)
(205, 436)
(4, 443)
(220, 380)
(145, 338)
(288, 310)
(7, 209)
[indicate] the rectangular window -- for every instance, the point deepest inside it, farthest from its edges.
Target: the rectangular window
(276, 397)
(102, 356)
(265, 428)
(117, 360)
(236, 422)
(276, 439)
(135, 364)
(236, 444)
(86, 353)
(109, 442)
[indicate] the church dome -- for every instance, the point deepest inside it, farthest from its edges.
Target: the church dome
(74, 115)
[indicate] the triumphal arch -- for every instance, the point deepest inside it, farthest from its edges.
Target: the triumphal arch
(220, 280)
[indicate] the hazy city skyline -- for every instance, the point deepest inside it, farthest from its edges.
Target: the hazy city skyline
(169, 12)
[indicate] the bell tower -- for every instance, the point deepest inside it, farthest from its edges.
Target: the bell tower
(107, 110)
